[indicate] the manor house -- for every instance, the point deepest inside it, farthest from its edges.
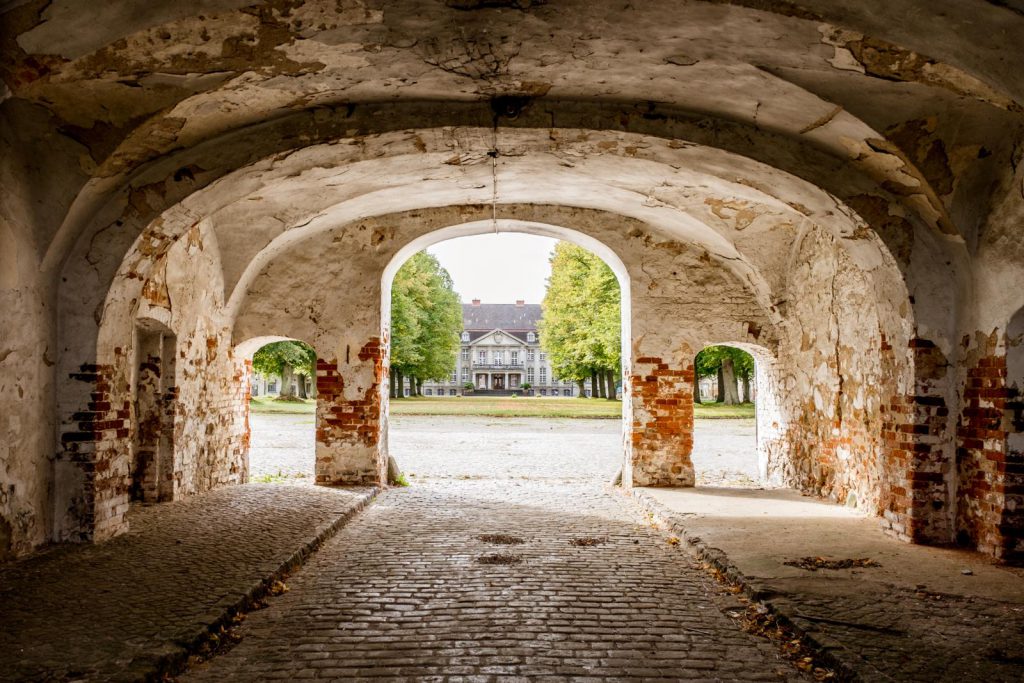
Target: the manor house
(500, 352)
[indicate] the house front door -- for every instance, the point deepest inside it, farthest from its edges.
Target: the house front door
(498, 382)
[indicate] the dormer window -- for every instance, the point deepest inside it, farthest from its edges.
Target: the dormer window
(465, 336)
(531, 337)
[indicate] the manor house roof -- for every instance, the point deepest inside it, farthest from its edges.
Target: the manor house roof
(477, 317)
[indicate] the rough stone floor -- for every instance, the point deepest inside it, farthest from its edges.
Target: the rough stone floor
(413, 589)
(919, 613)
(113, 611)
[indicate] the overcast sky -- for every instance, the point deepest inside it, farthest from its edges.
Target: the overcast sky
(497, 268)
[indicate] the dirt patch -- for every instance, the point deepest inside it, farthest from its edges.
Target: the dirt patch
(813, 564)
(500, 539)
(587, 541)
(499, 558)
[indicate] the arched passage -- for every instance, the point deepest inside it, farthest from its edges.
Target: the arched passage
(364, 202)
(584, 240)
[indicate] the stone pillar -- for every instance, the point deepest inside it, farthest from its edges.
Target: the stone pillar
(661, 434)
(351, 441)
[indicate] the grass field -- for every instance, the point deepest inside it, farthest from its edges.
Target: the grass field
(503, 406)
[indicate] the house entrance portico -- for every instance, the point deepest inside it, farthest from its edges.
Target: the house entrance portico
(498, 381)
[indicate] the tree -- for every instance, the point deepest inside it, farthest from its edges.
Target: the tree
(581, 320)
(286, 359)
(426, 319)
(727, 364)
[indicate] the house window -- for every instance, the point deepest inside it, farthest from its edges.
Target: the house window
(465, 354)
(465, 375)
(530, 355)
(465, 336)
(566, 392)
(453, 392)
(515, 358)
(513, 381)
(588, 393)
(543, 392)
(272, 387)
(543, 356)
(531, 337)
(529, 375)
(428, 392)
(481, 355)
(498, 355)
(543, 375)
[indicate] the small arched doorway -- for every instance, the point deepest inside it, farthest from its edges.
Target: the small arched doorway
(154, 400)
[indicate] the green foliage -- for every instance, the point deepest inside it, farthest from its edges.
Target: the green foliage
(273, 358)
(580, 325)
(710, 359)
(426, 318)
(401, 480)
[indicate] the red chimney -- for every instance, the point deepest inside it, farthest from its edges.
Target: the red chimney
(476, 302)
(520, 302)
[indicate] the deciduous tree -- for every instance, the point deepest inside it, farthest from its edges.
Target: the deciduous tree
(285, 359)
(727, 363)
(580, 324)
(426, 319)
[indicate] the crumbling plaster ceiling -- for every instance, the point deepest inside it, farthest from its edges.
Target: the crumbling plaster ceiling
(141, 79)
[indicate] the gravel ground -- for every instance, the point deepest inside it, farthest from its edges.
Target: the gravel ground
(432, 447)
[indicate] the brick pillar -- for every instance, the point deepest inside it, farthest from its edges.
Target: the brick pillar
(662, 428)
(351, 443)
(92, 492)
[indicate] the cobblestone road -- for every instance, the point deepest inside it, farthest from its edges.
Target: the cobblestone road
(410, 591)
(114, 611)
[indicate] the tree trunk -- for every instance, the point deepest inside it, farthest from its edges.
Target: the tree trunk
(419, 386)
(302, 387)
(391, 384)
(399, 384)
(746, 390)
(609, 376)
(721, 386)
(582, 384)
(593, 385)
(696, 386)
(286, 383)
(731, 397)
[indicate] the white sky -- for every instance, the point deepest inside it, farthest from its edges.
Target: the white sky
(497, 268)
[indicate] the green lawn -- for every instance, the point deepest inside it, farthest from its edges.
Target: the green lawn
(265, 404)
(504, 406)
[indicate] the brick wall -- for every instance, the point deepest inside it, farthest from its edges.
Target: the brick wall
(348, 433)
(986, 475)
(662, 428)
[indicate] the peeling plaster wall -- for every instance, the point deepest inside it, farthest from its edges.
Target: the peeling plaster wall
(208, 410)
(26, 358)
(990, 446)
(830, 373)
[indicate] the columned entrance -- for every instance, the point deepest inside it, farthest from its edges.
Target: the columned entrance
(498, 382)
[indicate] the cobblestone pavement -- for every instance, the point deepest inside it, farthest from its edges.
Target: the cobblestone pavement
(116, 610)
(515, 448)
(409, 591)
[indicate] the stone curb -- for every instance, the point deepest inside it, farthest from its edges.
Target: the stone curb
(176, 654)
(824, 647)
